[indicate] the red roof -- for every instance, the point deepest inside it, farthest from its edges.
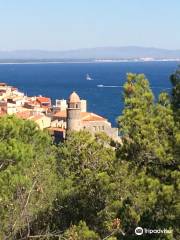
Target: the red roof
(43, 100)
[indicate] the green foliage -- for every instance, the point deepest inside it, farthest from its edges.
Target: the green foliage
(135, 124)
(144, 125)
(88, 187)
(86, 165)
(80, 232)
(175, 80)
(149, 133)
(175, 100)
(27, 175)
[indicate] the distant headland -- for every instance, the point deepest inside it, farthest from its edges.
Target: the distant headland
(99, 54)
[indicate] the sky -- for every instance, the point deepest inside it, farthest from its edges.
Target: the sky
(74, 24)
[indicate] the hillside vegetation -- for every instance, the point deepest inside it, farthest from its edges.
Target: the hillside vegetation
(88, 187)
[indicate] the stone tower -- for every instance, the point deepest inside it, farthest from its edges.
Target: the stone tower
(74, 112)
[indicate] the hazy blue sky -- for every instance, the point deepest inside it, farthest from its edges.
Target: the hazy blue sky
(71, 24)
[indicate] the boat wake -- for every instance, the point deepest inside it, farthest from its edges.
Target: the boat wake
(109, 86)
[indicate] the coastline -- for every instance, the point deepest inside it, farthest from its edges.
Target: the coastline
(19, 61)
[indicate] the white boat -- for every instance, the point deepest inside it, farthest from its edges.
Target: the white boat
(100, 85)
(88, 77)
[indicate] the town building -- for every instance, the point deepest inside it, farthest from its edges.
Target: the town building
(75, 117)
(64, 116)
(61, 105)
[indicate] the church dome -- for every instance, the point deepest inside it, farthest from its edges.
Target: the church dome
(74, 98)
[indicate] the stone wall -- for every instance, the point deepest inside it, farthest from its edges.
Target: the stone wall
(101, 126)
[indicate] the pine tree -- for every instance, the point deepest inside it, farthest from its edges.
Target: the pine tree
(148, 130)
(28, 177)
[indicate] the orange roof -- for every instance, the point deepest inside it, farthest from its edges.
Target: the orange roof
(62, 114)
(85, 116)
(43, 99)
(27, 115)
(92, 117)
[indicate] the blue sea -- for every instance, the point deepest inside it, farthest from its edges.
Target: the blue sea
(58, 80)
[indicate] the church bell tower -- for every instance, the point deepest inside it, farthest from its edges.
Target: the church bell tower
(74, 112)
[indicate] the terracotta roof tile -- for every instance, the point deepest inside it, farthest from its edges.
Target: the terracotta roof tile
(92, 117)
(28, 116)
(62, 114)
(43, 100)
(85, 116)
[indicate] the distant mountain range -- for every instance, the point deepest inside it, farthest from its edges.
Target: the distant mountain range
(99, 53)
